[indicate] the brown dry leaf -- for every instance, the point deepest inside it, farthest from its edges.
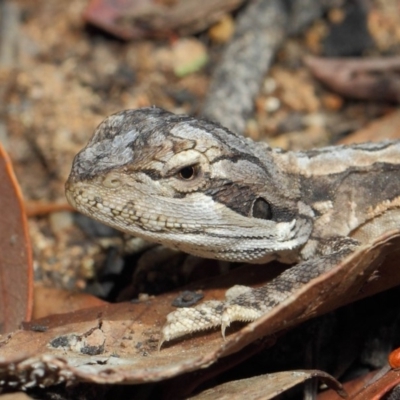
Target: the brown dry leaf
(121, 340)
(366, 79)
(16, 270)
(380, 387)
(49, 301)
(361, 275)
(351, 387)
(135, 19)
(267, 386)
(387, 127)
(118, 343)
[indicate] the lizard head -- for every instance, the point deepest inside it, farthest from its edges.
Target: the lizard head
(188, 184)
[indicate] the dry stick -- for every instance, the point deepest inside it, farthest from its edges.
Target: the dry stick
(260, 30)
(9, 33)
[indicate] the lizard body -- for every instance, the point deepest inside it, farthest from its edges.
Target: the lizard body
(195, 186)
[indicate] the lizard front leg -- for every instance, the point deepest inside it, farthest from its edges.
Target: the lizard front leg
(246, 304)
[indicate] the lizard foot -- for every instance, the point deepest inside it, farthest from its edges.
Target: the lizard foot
(210, 314)
(246, 304)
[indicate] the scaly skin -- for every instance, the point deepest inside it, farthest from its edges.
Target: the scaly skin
(195, 186)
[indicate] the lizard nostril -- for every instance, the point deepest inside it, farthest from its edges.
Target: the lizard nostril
(112, 181)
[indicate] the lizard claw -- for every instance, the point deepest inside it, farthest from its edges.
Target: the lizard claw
(237, 312)
(191, 319)
(209, 315)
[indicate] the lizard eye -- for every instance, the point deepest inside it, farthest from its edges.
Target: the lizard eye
(188, 173)
(261, 209)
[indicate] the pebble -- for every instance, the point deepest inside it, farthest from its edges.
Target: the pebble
(188, 56)
(272, 104)
(223, 30)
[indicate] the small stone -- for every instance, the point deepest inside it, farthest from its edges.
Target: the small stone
(252, 129)
(189, 55)
(315, 120)
(336, 15)
(269, 85)
(332, 102)
(272, 104)
(143, 297)
(223, 30)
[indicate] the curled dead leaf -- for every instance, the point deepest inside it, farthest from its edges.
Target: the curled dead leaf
(366, 79)
(267, 386)
(117, 343)
(16, 270)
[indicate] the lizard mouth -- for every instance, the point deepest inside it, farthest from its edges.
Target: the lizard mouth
(69, 194)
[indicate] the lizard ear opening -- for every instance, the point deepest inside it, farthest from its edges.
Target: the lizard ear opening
(261, 209)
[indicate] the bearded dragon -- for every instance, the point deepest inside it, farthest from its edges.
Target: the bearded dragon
(195, 186)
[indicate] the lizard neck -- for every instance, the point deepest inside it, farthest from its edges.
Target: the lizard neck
(351, 189)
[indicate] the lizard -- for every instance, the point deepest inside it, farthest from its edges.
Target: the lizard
(195, 186)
